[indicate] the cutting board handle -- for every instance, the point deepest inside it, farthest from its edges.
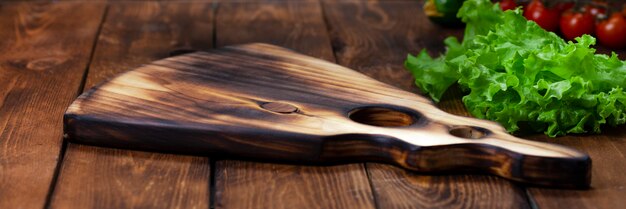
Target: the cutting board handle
(422, 141)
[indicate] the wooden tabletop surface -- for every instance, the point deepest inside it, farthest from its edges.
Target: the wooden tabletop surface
(51, 51)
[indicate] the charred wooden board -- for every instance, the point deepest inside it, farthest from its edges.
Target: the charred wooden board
(263, 102)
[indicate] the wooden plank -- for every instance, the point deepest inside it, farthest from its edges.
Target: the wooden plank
(241, 184)
(374, 38)
(44, 51)
(608, 182)
(135, 33)
(296, 25)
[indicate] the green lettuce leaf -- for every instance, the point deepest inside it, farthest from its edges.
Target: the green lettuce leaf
(520, 75)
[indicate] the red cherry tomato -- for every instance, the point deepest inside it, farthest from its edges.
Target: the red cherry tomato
(595, 11)
(507, 5)
(547, 18)
(533, 5)
(612, 32)
(576, 24)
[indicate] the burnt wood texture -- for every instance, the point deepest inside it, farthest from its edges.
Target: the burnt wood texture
(263, 102)
(245, 184)
(368, 36)
(134, 33)
(608, 152)
(49, 47)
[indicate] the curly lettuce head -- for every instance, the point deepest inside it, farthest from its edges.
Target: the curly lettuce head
(523, 76)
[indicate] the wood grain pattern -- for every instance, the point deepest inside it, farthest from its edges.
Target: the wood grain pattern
(400, 189)
(370, 38)
(135, 33)
(297, 25)
(36, 86)
(242, 184)
(112, 178)
(15, 89)
(210, 101)
(608, 188)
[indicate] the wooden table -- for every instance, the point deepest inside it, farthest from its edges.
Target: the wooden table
(52, 51)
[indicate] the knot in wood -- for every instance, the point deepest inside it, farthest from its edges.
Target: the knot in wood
(44, 63)
(279, 107)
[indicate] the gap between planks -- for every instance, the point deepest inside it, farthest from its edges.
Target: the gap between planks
(79, 91)
(149, 53)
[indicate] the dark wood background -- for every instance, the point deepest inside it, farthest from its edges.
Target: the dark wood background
(51, 51)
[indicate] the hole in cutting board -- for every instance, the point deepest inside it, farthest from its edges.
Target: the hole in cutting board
(381, 116)
(468, 132)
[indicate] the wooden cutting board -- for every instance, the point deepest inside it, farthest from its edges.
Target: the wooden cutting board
(265, 103)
